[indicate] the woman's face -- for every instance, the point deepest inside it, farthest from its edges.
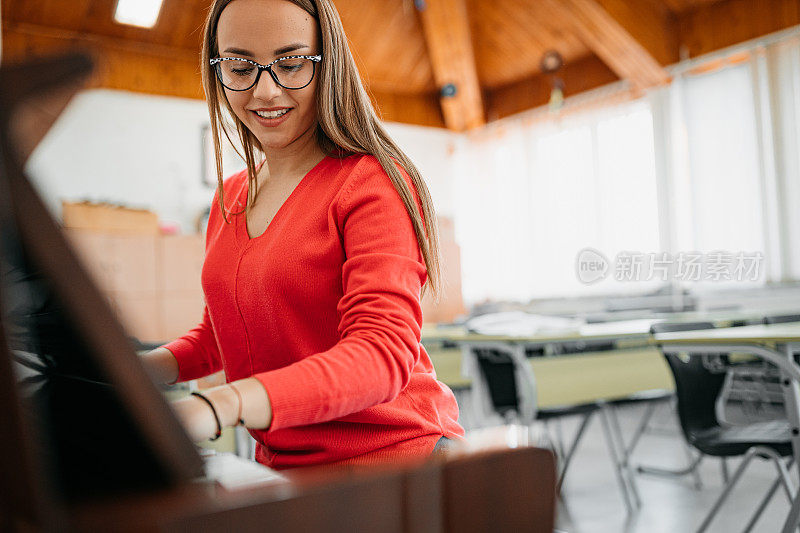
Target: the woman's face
(262, 31)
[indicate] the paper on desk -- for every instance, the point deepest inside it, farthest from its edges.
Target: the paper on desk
(231, 471)
(522, 324)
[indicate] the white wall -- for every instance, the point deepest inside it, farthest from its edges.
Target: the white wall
(146, 152)
(434, 151)
(138, 150)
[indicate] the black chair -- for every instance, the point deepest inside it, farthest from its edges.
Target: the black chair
(699, 380)
(693, 462)
(507, 382)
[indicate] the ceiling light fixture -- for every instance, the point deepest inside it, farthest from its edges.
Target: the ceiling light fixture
(142, 13)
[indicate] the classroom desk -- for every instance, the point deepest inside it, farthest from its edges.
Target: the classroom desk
(720, 317)
(562, 379)
(635, 365)
(775, 343)
(604, 331)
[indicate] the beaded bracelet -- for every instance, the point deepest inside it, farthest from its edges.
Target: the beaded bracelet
(213, 410)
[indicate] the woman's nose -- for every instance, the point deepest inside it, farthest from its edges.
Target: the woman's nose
(266, 88)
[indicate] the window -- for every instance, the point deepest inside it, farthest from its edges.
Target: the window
(532, 199)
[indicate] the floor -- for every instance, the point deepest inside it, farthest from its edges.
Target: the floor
(592, 502)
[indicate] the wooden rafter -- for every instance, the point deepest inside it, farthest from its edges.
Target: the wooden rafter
(445, 24)
(121, 64)
(610, 40)
(715, 25)
(154, 69)
(578, 76)
(651, 23)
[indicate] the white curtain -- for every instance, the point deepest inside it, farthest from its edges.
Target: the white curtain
(723, 163)
(531, 198)
(784, 82)
(725, 149)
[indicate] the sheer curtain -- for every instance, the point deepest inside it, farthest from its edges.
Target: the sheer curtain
(531, 198)
(715, 175)
(783, 62)
(742, 138)
(725, 203)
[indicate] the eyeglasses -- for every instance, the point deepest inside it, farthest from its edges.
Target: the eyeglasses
(290, 72)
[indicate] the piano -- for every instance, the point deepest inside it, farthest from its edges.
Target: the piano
(90, 444)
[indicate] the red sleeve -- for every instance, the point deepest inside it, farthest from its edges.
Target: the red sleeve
(197, 352)
(380, 312)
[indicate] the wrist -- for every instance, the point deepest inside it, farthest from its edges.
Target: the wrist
(226, 402)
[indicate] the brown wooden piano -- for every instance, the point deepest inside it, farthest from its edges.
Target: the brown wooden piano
(88, 443)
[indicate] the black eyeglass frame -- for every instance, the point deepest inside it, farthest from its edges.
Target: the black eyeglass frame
(268, 67)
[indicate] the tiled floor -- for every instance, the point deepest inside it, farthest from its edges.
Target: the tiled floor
(592, 502)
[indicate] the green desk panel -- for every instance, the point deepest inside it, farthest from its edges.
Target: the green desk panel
(578, 378)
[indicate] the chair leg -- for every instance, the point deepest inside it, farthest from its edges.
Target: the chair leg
(761, 506)
(698, 482)
(768, 496)
(788, 486)
(568, 456)
(644, 422)
(559, 438)
(693, 462)
(627, 485)
(722, 497)
(692, 468)
(624, 452)
(723, 464)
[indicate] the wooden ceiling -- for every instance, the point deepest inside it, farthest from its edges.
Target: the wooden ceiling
(406, 50)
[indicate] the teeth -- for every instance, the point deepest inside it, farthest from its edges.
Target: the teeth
(272, 114)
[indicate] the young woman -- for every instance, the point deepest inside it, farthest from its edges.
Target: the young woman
(315, 257)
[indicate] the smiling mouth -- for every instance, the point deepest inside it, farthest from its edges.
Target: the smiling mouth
(272, 114)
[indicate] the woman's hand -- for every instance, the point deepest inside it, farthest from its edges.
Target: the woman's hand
(198, 418)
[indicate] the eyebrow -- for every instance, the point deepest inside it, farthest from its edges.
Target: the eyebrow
(283, 50)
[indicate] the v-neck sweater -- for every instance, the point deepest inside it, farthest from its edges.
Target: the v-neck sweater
(323, 308)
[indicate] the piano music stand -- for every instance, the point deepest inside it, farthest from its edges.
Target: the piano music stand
(89, 423)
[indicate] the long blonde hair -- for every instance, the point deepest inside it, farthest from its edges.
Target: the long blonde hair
(345, 120)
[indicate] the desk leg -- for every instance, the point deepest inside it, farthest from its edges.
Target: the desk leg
(791, 394)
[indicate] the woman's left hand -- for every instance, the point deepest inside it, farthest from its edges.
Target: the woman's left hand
(196, 417)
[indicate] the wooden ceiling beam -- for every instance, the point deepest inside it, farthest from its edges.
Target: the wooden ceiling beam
(716, 25)
(578, 76)
(610, 41)
(120, 64)
(154, 69)
(418, 109)
(445, 24)
(651, 23)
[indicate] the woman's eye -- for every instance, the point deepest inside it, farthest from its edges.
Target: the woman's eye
(291, 68)
(242, 71)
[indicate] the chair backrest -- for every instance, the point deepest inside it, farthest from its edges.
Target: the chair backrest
(497, 368)
(696, 387)
(502, 381)
(781, 319)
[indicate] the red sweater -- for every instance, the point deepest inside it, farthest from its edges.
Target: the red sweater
(324, 310)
